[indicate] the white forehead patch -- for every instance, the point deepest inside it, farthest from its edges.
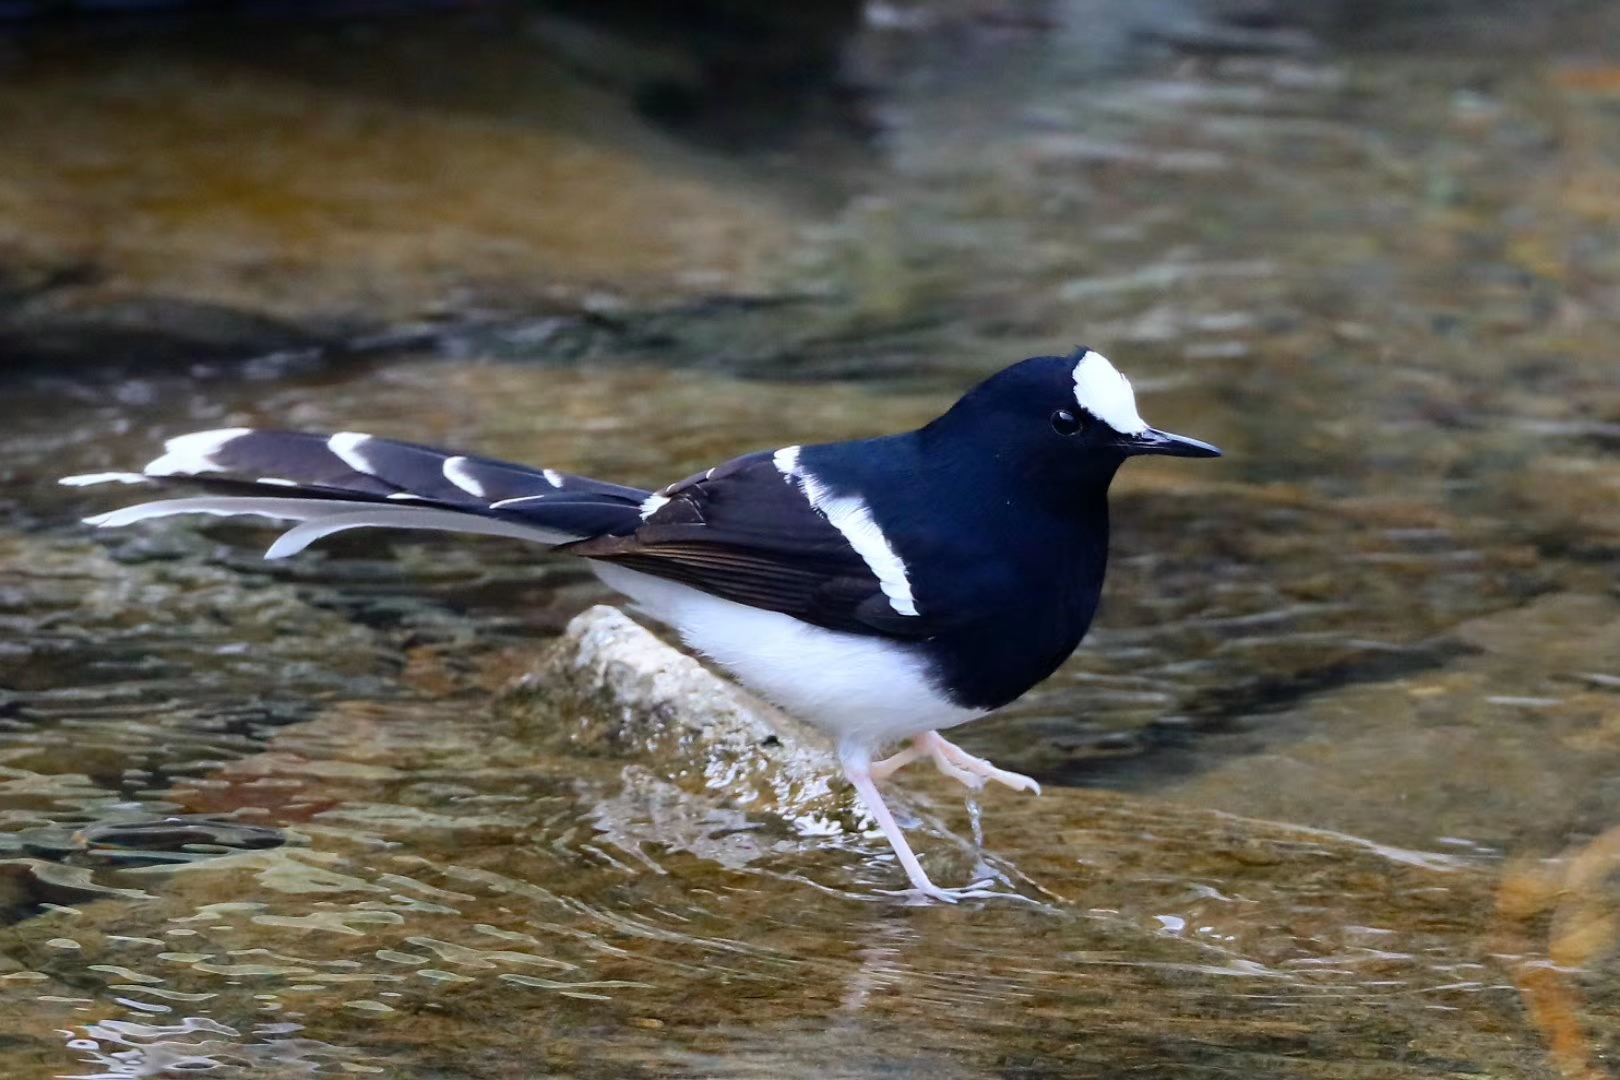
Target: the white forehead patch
(1103, 392)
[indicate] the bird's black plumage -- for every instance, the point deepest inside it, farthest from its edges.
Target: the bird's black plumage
(1000, 519)
(743, 531)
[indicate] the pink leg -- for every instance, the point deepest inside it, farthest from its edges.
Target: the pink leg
(859, 771)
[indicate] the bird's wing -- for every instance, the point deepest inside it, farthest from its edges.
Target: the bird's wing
(748, 531)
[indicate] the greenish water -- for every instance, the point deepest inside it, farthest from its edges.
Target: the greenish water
(1330, 786)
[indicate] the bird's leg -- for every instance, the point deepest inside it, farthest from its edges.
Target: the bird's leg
(858, 768)
(882, 770)
(962, 766)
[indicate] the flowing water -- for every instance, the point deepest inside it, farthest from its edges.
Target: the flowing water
(1331, 787)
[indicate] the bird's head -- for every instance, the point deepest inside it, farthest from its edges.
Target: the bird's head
(1066, 419)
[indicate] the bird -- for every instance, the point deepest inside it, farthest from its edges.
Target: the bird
(882, 590)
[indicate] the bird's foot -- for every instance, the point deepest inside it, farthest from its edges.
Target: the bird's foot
(927, 891)
(954, 762)
(922, 889)
(963, 767)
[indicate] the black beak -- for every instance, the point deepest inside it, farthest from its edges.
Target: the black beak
(1154, 441)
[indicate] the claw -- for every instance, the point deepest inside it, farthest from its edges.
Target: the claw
(972, 771)
(976, 891)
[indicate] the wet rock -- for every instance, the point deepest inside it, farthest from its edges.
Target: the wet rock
(610, 687)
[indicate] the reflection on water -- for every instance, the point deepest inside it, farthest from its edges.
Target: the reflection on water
(116, 1049)
(1354, 689)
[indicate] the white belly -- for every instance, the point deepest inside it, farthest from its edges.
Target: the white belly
(862, 691)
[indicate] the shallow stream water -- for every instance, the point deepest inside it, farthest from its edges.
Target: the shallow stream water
(1331, 787)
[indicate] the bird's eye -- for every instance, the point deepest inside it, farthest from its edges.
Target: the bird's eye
(1065, 422)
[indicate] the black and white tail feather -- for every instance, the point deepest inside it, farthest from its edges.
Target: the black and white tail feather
(333, 483)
